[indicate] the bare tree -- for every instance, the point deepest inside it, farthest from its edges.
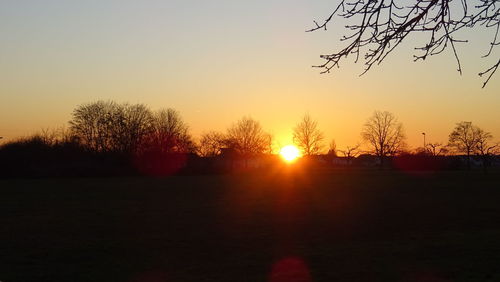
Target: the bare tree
(269, 143)
(484, 148)
(332, 151)
(210, 144)
(92, 123)
(105, 126)
(436, 149)
(169, 134)
(381, 25)
(307, 136)
(164, 149)
(351, 152)
(464, 138)
(129, 125)
(108, 126)
(385, 134)
(247, 137)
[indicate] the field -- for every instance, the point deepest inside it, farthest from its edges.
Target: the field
(280, 225)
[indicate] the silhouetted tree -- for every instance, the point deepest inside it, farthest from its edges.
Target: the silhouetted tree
(464, 138)
(269, 143)
(50, 152)
(436, 149)
(307, 136)
(168, 134)
(247, 137)
(106, 126)
(92, 124)
(381, 25)
(210, 144)
(351, 152)
(130, 124)
(484, 148)
(165, 149)
(332, 151)
(385, 134)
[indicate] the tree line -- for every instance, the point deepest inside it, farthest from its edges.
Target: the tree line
(385, 137)
(134, 129)
(106, 126)
(150, 139)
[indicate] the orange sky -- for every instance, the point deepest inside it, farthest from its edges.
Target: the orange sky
(216, 62)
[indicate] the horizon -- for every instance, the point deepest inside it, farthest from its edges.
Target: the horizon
(217, 62)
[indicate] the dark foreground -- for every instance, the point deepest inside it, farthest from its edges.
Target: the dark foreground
(273, 226)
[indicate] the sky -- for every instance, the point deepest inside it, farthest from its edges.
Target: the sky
(217, 61)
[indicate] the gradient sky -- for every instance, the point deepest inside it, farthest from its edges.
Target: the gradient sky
(216, 61)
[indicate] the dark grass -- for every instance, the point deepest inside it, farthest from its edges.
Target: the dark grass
(343, 226)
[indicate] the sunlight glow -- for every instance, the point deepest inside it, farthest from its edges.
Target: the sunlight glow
(289, 153)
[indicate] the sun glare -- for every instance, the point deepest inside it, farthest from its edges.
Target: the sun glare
(289, 153)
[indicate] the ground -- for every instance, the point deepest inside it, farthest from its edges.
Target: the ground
(278, 225)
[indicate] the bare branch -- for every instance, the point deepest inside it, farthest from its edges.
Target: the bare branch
(382, 25)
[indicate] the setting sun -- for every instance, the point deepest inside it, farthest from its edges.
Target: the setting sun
(289, 153)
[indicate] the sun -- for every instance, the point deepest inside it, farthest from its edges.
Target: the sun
(289, 153)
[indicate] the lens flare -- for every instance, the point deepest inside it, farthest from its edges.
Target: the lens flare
(290, 269)
(289, 153)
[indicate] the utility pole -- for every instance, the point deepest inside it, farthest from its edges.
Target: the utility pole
(423, 133)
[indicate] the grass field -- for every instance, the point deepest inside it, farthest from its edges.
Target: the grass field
(263, 226)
